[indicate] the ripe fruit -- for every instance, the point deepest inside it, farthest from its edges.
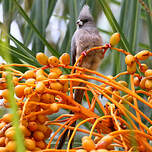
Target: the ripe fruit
(30, 144)
(38, 135)
(136, 81)
(7, 117)
(143, 55)
(47, 98)
(148, 72)
(132, 68)
(32, 126)
(56, 86)
(57, 70)
(148, 84)
(19, 90)
(129, 59)
(115, 38)
(29, 74)
(65, 59)
(124, 83)
(42, 58)
(114, 93)
(53, 61)
(53, 75)
(143, 67)
(5, 94)
(40, 87)
(11, 146)
(104, 142)
(87, 143)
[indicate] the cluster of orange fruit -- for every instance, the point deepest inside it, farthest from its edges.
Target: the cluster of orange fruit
(32, 98)
(39, 93)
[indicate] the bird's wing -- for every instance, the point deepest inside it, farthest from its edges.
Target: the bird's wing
(73, 50)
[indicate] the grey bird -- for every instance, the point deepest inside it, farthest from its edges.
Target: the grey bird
(85, 37)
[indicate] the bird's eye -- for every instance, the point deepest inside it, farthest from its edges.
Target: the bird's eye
(85, 20)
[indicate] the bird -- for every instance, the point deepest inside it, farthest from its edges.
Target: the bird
(85, 37)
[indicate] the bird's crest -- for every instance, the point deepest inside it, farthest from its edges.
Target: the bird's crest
(85, 13)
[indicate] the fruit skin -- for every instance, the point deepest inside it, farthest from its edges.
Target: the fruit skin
(131, 69)
(148, 84)
(19, 90)
(38, 135)
(143, 55)
(104, 142)
(129, 59)
(115, 38)
(148, 72)
(42, 58)
(11, 146)
(30, 144)
(53, 61)
(87, 143)
(65, 59)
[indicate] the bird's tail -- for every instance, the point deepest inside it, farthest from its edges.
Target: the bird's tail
(78, 96)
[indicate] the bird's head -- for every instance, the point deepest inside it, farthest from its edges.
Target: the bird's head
(85, 17)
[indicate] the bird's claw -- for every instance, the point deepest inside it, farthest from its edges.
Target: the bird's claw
(84, 53)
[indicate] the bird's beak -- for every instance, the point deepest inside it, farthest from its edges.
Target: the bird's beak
(79, 22)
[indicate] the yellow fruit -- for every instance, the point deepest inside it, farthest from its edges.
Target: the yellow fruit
(30, 144)
(25, 131)
(143, 55)
(10, 133)
(114, 93)
(56, 86)
(115, 38)
(47, 98)
(19, 90)
(11, 146)
(148, 84)
(30, 81)
(29, 74)
(42, 58)
(53, 75)
(88, 144)
(124, 83)
(53, 61)
(40, 75)
(107, 89)
(104, 142)
(54, 108)
(148, 73)
(15, 80)
(136, 81)
(143, 67)
(129, 59)
(7, 117)
(142, 83)
(5, 94)
(28, 90)
(42, 118)
(2, 141)
(132, 68)
(57, 70)
(61, 79)
(38, 135)
(65, 59)
(32, 126)
(3, 149)
(41, 144)
(65, 87)
(40, 87)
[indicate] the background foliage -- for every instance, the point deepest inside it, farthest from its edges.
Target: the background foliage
(36, 20)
